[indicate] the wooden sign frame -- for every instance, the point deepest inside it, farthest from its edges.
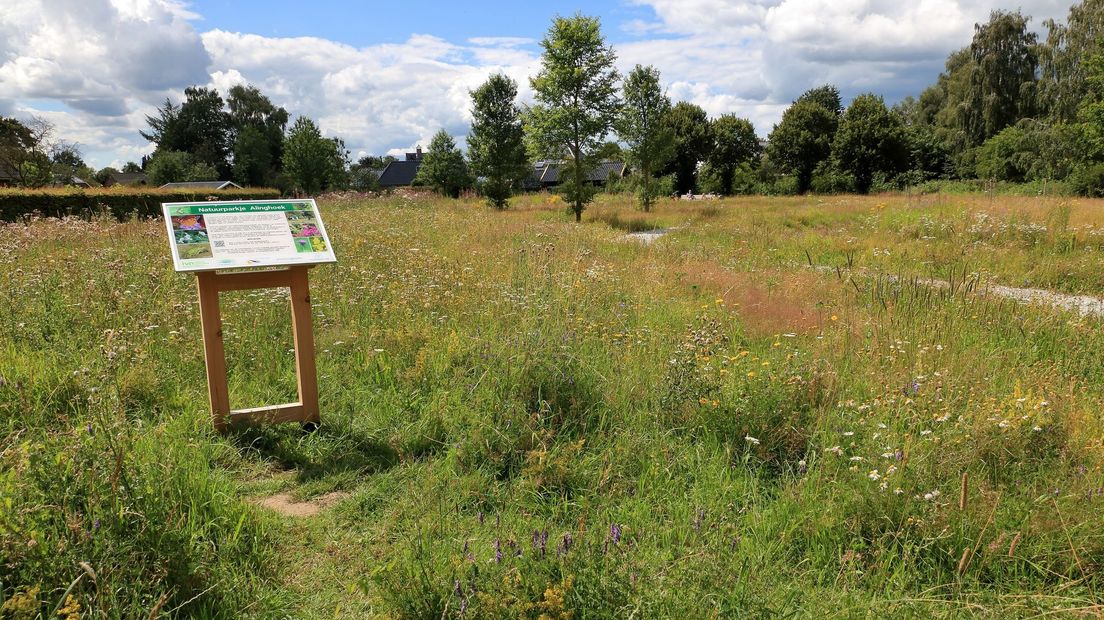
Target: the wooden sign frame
(306, 411)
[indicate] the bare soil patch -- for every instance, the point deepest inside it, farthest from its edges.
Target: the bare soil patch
(284, 504)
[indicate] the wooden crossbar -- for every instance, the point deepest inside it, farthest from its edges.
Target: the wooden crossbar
(210, 284)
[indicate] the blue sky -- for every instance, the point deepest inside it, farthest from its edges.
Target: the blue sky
(368, 23)
(385, 76)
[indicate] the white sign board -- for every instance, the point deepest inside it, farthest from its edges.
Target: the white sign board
(242, 234)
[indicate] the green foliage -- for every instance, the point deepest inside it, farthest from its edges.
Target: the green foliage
(1028, 151)
(1088, 180)
(24, 151)
(443, 167)
(693, 143)
(258, 127)
(1002, 88)
(734, 145)
(176, 167)
(1062, 59)
(496, 143)
(576, 93)
(803, 138)
(870, 140)
(121, 202)
(200, 126)
(1091, 113)
(830, 178)
(649, 139)
(313, 163)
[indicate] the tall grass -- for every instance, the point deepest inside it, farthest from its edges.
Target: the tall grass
(525, 417)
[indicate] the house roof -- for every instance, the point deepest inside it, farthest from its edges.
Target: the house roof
(399, 173)
(202, 185)
(548, 173)
(127, 178)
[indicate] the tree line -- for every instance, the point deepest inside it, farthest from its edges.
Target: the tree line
(1007, 107)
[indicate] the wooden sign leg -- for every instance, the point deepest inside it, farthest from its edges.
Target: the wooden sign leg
(211, 323)
(302, 330)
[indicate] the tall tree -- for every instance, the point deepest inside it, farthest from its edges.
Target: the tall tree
(258, 127)
(24, 150)
(443, 167)
(690, 126)
(1063, 58)
(827, 95)
(1002, 88)
(1091, 114)
(200, 126)
(496, 143)
(734, 143)
(803, 138)
(642, 125)
(577, 102)
(311, 162)
(870, 139)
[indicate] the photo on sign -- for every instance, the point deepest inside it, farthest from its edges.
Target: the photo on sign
(302, 224)
(188, 222)
(195, 250)
(191, 236)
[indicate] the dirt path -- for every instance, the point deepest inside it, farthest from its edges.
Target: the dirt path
(284, 504)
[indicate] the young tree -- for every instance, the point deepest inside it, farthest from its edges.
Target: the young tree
(870, 139)
(496, 144)
(443, 167)
(734, 143)
(311, 162)
(642, 126)
(577, 103)
(693, 141)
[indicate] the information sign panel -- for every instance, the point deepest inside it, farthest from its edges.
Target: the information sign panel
(207, 236)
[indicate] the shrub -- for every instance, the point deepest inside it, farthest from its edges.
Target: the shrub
(121, 203)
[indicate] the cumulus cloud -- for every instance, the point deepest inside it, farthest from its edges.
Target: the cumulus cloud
(110, 62)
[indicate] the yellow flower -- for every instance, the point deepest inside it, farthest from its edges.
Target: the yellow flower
(835, 318)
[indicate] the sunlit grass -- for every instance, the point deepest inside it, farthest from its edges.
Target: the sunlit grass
(767, 411)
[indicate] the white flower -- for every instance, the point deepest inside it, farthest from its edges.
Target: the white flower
(855, 458)
(926, 431)
(835, 449)
(1036, 428)
(753, 441)
(873, 475)
(849, 433)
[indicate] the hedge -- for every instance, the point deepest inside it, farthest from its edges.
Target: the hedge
(122, 203)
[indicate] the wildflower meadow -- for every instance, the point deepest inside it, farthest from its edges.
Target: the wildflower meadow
(781, 407)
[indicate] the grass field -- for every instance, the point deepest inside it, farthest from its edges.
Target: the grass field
(767, 412)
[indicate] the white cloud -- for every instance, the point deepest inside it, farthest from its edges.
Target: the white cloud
(110, 62)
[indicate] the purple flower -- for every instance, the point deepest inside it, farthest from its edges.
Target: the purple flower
(565, 544)
(498, 551)
(457, 590)
(698, 519)
(615, 533)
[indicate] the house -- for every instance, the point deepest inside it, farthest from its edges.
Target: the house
(206, 185)
(546, 174)
(125, 178)
(401, 172)
(9, 176)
